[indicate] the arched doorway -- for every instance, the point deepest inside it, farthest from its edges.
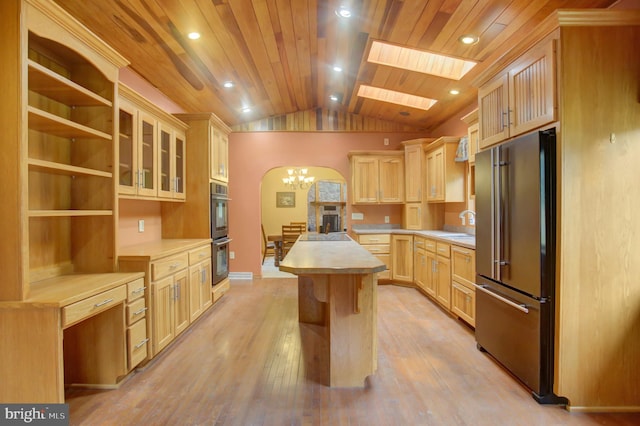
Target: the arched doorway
(282, 204)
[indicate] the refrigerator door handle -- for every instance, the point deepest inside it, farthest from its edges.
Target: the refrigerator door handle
(520, 307)
(496, 184)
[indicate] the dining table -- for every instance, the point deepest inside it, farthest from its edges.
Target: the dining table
(277, 242)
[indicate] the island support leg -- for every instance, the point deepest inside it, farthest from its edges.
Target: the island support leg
(346, 306)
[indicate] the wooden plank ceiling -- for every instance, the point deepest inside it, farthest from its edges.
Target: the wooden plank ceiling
(280, 53)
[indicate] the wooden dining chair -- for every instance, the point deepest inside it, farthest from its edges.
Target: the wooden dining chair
(268, 246)
(290, 234)
(303, 224)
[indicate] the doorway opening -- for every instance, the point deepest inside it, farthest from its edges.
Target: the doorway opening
(315, 204)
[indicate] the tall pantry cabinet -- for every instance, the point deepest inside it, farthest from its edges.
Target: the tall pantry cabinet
(578, 72)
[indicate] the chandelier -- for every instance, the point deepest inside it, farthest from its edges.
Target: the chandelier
(297, 178)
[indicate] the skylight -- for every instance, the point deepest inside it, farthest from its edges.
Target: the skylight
(419, 61)
(394, 97)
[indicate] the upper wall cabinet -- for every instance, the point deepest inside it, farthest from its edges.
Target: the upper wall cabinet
(172, 162)
(58, 86)
(413, 163)
(377, 177)
(151, 150)
(521, 98)
(219, 153)
(445, 177)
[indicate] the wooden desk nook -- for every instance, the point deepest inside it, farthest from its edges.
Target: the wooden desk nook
(87, 312)
(337, 299)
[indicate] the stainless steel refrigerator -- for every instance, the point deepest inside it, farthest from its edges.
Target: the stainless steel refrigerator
(515, 258)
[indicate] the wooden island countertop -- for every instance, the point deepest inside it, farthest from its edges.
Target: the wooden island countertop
(337, 306)
(334, 253)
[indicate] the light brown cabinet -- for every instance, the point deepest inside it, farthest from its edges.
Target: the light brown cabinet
(445, 178)
(137, 338)
(420, 265)
(152, 150)
(377, 178)
(402, 258)
(463, 293)
(380, 246)
(167, 265)
(171, 162)
(199, 281)
(520, 99)
(442, 274)
(219, 154)
(413, 163)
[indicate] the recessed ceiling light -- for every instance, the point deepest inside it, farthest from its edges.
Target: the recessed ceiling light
(228, 84)
(246, 110)
(333, 97)
(337, 68)
(404, 113)
(469, 39)
(194, 35)
(343, 12)
(454, 91)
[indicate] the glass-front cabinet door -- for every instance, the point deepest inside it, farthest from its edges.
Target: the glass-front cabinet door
(165, 179)
(127, 167)
(147, 155)
(171, 163)
(180, 166)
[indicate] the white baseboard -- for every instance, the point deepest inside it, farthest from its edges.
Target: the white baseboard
(240, 275)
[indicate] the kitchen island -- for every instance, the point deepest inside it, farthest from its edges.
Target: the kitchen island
(337, 305)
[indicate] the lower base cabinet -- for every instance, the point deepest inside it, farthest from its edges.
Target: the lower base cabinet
(463, 302)
(170, 309)
(379, 245)
(178, 274)
(463, 290)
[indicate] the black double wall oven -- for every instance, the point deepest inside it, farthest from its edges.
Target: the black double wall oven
(219, 212)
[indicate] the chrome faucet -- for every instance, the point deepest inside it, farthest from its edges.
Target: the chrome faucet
(472, 219)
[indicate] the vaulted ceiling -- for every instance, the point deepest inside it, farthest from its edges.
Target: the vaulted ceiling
(280, 54)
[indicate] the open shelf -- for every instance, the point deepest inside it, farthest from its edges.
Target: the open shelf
(69, 213)
(52, 124)
(65, 169)
(54, 86)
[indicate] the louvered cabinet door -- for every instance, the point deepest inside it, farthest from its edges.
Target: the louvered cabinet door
(532, 94)
(493, 109)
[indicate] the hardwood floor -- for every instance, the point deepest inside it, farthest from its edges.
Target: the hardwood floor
(243, 364)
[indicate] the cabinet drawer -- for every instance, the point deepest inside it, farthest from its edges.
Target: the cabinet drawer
(463, 302)
(135, 289)
(220, 289)
(430, 245)
(136, 310)
(163, 267)
(378, 248)
(92, 305)
(137, 343)
(199, 254)
(443, 249)
(463, 265)
(418, 242)
(374, 239)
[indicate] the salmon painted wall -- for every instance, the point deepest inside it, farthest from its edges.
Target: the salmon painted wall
(251, 155)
